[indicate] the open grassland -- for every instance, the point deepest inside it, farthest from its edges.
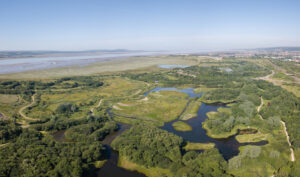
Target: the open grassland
(163, 106)
(8, 99)
(86, 99)
(181, 126)
(9, 104)
(247, 138)
(281, 76)
(111, 66)
(198, 146)
(153, 172)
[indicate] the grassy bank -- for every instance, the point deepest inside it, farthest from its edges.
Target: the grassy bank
(181, 126)
(198, 146)
(151, 172)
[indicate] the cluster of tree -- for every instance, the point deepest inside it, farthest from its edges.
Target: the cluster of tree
(210, 76)
(221, 95)
(286, 106)
(66, 108)
(150, 146)
(62, 123)
(240, 113)
(33, 154)
(85, 81)
(8, 130)
(28, 88)
(94, 130)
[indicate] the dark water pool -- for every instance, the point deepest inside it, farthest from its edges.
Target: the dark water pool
(228, 147)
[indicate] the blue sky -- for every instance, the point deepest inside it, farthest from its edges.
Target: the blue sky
(177, 25)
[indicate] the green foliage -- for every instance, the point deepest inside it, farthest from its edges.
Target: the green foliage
(251, 151)
(66, 108)
(8, 130)
(235, 162)
(92, 131)
(32, 154)
(152, 147)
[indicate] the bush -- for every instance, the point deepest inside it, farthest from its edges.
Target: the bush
(251, 151)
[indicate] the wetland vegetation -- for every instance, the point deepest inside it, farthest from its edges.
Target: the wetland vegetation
(199, 120)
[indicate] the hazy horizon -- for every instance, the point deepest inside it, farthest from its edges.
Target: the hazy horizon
(148, 25)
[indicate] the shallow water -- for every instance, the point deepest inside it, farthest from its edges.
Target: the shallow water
(173, 66)
(228, 147)
(13, 65)
(189, 91)
(110, 168)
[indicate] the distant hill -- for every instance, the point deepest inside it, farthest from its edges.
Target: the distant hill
(289, 49)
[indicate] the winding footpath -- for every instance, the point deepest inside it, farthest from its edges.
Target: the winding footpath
(267, 77)
(98, 105)
(27, 106)
(2, 115)
(259, 107)
(288, 140)
(283, 123)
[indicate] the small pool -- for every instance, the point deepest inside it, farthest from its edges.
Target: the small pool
(173, 66)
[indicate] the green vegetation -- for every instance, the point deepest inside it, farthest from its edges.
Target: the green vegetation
(181, 126)
(150, 147)
(156, 106)
(71, 104)
(198, 146)
(246, 138)
(191, 110)
(34, 154)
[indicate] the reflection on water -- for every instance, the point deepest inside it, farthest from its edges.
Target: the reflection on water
(110, 168)
(173, 66)
(12, 65)
(228, 147)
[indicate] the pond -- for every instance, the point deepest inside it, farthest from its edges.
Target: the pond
(173, 66)
(189, 91)
(228, 147)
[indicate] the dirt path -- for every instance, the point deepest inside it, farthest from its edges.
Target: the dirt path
(259, 107)
(25, 107)
(288, 140)
(2, 115)
(98, 105)
(297, 80)
(267, 77)
(3, 144)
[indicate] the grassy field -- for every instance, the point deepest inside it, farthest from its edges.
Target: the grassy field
(153, 172)
(8, 99)
(181, 126)
(113, 89)
(163, 106)
(9, 104)
(247, 138)
(198, 146)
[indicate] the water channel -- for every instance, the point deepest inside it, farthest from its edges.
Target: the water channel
(228, 147)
